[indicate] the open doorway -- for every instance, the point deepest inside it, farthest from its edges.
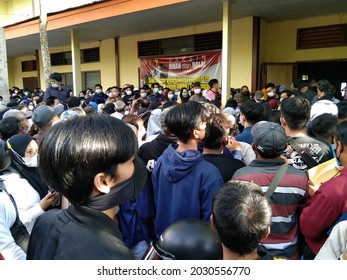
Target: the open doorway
(334, 71)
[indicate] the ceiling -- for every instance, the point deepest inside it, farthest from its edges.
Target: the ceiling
(189, 13)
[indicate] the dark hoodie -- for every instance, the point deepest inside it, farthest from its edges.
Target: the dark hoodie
(184, 185)
(136, 216)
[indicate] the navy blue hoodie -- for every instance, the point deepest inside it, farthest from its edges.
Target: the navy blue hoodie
(184, 185)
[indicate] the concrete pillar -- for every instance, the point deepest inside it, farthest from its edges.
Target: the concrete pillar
(226, 52)
(3, 68)
(76, 62)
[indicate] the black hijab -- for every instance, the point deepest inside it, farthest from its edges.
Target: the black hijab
(17, 145)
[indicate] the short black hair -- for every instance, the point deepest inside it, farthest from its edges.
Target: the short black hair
(270, 85)
(323, 85)
(56, 76)
(9, 126)
(98, 85)
(145, 103)
(253, 112)
(182, 119)
(212, 82)
(109, 109)
(323, 126)
(50, 100)
(232, 103)
(342, 109)
(216, 131)
(296, 112)
(73, 101)
(242, 216)
(341, 133)
(97, 143)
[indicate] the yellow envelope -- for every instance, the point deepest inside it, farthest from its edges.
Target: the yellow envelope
(323, 172)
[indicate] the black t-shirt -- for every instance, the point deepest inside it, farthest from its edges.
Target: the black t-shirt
(226, 165)
(319, 150)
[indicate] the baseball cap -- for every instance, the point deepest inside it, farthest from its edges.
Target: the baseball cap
(19, 115)
(269, 137)
(43, 114)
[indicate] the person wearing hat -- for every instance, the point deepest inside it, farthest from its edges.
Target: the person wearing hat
(197, 95)
(44, 116)
(269, 142)
(57, 89)
(96, 176)
(22, 117)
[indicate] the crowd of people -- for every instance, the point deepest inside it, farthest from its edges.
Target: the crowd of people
(156, 173)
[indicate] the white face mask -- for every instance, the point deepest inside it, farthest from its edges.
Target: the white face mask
(170, 96)
(281, 99)
(271, 94)
(128, 92)
(177, 93)
(126, 112)
(160, 91)
(110, 94)
(197, 91)
(98, 91)
(185, 94)
(30, 161)
(143, 95)
(155, 90)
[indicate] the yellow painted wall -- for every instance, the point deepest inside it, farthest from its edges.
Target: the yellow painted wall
(241, 50)
(11, 71)
(3, 13)
(19, 10)
(279, 41)
(15, 71)
(106, 66)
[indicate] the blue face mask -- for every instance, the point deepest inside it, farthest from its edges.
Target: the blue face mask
(55, 85)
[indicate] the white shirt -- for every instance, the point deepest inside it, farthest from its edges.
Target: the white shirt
(117, 115)
(26, 197)
(8, 247)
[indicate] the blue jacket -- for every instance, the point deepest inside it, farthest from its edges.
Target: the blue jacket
(245, 136)
(184, 185)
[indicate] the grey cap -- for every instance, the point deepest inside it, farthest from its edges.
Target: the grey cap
(43, 114)
(19, 115)
(269, 137)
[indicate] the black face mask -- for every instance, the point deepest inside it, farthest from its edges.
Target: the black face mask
(123, 191)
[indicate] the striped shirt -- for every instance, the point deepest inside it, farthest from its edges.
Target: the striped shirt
(288, 197)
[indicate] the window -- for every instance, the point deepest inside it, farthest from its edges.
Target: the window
(90, 55)
(65, 58)
(322, 37)
(181, 45)
(89, 79)
(29, 65)
(177, 45)
(62, 58)
(67, 80)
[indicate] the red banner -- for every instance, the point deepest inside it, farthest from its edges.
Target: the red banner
(181, 71)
